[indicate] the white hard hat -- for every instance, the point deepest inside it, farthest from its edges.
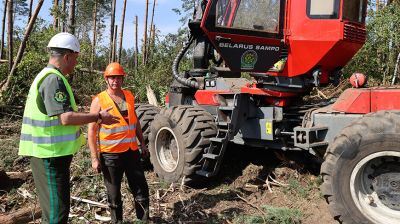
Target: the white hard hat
(65, 41)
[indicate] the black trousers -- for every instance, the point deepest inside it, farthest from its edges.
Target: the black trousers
(114, 165)
(51, 177)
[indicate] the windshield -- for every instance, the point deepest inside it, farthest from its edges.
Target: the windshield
(354, 10)
(260, 15)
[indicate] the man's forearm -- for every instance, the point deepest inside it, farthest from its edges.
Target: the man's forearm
(92, 140)
(139, 133)
(77, 118)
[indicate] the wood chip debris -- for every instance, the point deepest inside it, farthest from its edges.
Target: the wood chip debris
(95, 203)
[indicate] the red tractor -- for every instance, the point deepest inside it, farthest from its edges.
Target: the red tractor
(288, 47)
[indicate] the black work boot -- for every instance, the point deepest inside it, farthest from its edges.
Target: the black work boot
(142, 209)
(116, 213)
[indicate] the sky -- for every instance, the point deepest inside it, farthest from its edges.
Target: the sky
(166, 20)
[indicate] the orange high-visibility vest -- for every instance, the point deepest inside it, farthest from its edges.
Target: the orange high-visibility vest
(119, 137)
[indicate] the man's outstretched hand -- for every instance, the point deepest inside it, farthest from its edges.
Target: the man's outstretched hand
(107, 118)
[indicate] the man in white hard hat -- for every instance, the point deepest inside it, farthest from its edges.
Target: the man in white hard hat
(50, 132)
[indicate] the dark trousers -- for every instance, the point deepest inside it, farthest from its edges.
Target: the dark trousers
(51, 177)
(114, 165)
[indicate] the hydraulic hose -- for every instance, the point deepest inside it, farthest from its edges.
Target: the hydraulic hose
(175, 66)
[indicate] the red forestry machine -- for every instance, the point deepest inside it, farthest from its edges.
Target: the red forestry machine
(288, 47)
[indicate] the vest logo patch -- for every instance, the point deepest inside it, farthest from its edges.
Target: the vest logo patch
(60, 96)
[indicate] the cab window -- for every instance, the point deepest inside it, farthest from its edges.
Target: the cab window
(259, 15)
(323, 9)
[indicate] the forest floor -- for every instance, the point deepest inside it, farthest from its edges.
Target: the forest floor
(239, 194)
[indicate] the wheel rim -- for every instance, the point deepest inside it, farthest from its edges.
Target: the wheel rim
(375, 186)
(167, 149)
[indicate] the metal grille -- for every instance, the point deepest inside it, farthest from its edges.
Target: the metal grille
(354, 32)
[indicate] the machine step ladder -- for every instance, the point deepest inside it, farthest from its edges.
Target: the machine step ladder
(226, 121)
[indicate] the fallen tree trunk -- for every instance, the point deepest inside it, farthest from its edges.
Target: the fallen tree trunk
(19, 175)
(23, 215)
(8, 179)
(90, 71)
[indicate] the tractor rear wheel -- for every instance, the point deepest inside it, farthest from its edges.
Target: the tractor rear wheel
(361, 171)
(146, 114)
(178, 138)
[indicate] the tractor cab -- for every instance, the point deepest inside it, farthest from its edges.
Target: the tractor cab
(247, 33)
(313, 39)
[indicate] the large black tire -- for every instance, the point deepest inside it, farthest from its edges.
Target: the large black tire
(178, 138)
(146, 114)
(361, 171)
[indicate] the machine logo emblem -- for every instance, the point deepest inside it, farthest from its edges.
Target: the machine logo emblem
(249, 59)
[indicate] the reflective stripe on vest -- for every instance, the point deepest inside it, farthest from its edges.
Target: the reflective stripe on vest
(50, 139)
(39, 123)
(116, 142)
(43, 136)
(131, 127)
(121, 136)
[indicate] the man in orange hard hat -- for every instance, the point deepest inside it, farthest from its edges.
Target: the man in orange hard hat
(114, 148)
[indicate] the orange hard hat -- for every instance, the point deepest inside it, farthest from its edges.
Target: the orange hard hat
(114, 69)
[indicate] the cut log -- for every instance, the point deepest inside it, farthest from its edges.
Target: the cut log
(23, 215)
(19, 175)
(13, 179)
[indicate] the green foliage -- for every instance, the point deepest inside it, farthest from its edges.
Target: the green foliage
(86, 84)
(33, 60)
(85, 54)
(282, 215)
(272, 215)
(316, 182)
(155, 78)
(29, 67)
(249, 219)
(296, 188)
(186, 10)
(20, 8)
(84, 13)
(157, 73)
(377, 58)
